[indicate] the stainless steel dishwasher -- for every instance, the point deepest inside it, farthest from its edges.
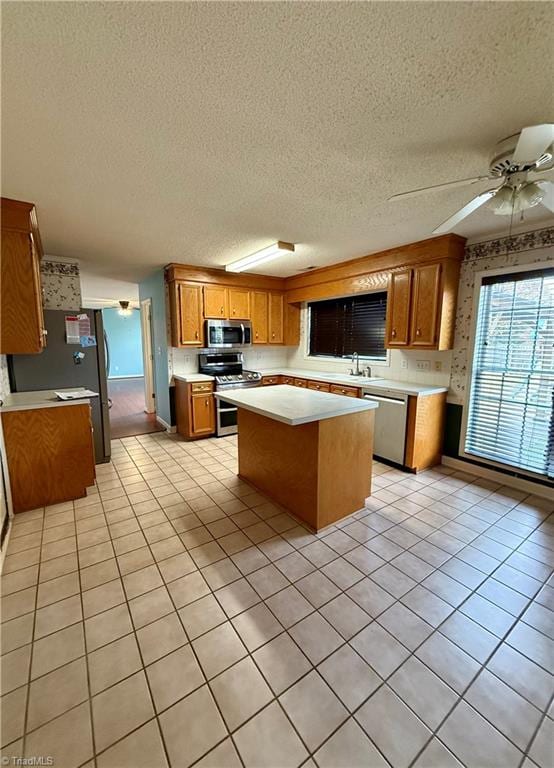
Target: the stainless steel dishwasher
(390, 422)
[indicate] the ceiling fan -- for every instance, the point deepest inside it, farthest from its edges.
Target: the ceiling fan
(516, 161)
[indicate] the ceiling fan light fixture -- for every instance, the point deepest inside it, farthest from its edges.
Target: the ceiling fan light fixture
(528, 196)
(266, 254)
(502, 202)
(124, 309)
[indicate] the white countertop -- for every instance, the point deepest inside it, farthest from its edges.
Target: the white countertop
(192, 377)
(44, 398)
(294, 405)
(374, 382)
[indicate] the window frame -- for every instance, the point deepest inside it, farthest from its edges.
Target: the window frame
(479, 276)
(377, 361)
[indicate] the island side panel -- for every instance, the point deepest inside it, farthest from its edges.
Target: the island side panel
(345, 465)
(282, 461)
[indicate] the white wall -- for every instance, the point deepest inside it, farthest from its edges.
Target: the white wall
(99, 292)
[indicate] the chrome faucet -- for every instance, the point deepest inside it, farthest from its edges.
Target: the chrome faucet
(356, 359)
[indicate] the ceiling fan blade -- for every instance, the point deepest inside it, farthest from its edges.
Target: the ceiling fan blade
(446, 185)
(548, 188)
(450, 223)
(533, 142)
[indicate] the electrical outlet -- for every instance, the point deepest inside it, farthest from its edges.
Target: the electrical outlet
(423, 365)
(404, 364)
(438, 365)
(187, 358)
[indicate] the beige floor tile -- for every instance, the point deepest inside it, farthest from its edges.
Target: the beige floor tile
(101, 598)
(57, 649)
(107, 626)
(218, 649)
(18, 580)
(424, 692)
(316, 637)
(405, 626)
(134, 560)
(67, 739)
(12, 713)
(144, 580)
(474, 741)
(256, 626)
(524, 676)
(55, 693)
(16, 632)
(59, 566)
(201, 616)
(161, 637)
(349, 747)
(448, 661)
(223, 756)
(150, 606)
(113, 662)
(349, 676)
(380, 649)
(192, 727)
(98, 574)
(380, 717)
(281, 662)
(173, 677)
(15, 668)
(121, 709)
(237, 597)
(289, 606)
(268, 740)
(345, 616)
(240, 692)
(436, 755)
(18, 604)
(317, 588)
(141, 749)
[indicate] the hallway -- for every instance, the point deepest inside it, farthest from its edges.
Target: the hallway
(127, 416)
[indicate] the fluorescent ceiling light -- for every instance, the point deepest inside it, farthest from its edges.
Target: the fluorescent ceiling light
(266, 254)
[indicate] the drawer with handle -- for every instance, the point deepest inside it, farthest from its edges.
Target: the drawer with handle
(201, 386)
(319, 386)
(300, 383)
(268, 380)
(339, 389)
(287, 380)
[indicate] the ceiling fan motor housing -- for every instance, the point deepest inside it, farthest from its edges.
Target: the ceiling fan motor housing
(501, 163)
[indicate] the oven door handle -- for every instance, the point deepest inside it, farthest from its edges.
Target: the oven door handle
(226, 410)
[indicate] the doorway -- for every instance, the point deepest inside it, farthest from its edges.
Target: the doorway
(128, 339)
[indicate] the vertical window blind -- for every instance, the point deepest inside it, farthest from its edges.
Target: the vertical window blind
(511, 404)
(340, 327)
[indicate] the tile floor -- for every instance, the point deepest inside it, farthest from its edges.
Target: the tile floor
(177, 617)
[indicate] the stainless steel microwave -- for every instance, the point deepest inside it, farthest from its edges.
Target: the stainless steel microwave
(228, 333)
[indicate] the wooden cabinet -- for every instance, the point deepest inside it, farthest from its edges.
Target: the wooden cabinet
(300, 383)
(425, 431)
(259, 305)
(215, 302)
(186, 314)
(319, 386)
(194, 409)
(270, 380)
(340, 389)
(425, 300)
(21, 315)
(239, 304)
(287, 380)
(398, 309)
(49, 454)
(421, 306)
(276, 318)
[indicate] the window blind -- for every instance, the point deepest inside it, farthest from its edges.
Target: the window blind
(340, 327)
(511, 403)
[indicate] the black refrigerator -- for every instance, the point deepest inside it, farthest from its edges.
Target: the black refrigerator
(57, 367)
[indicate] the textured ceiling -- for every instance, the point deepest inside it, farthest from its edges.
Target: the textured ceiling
(201, 132)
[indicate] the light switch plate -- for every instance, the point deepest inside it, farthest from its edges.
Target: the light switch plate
(423, 365)
(438, 365)
(404, 364)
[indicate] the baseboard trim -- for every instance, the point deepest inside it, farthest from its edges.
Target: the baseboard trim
(168, 427)
(528, 486)
(127, 376)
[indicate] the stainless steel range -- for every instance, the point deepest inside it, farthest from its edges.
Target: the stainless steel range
(226, 368)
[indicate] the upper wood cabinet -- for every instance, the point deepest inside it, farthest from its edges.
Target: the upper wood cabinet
(239, 304)
(425, 304)
(398, 309)
(215, 302)
(185, 301)
(421, 306)
(259, 305)
(276, 318)
(22, 329)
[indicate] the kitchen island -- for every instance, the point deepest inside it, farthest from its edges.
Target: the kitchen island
(309, 451)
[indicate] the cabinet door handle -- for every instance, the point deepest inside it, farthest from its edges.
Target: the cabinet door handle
(221, 310)
(207, 402)
(418, 332)
(393, 332)
(196, 334)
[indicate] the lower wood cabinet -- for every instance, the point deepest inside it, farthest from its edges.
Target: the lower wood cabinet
(49, 454)
(319, 386)
(340, 389)
(270, 380)
(194, 409)
(425, 431)
(300, 383)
